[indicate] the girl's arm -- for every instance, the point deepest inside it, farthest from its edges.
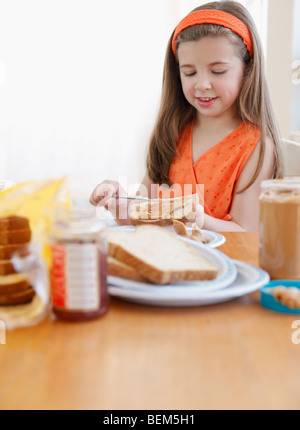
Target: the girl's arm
(245, 206)
(215, 224)
(102, 196)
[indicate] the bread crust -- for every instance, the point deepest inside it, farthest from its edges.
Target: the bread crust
(122, 270)
(161, 277)
(7, 251)
(17, 298)
(8, 237)
(158, 222)
(13, 283)
(14, 223)
(6, 268)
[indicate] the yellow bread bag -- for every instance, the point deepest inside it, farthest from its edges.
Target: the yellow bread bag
(26, 216)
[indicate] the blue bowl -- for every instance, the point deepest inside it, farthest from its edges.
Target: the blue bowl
(268, 301)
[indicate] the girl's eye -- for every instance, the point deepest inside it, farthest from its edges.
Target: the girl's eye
(217, 72)
(190, 74)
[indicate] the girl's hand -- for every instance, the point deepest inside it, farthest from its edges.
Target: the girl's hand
(196, 217)
(103, 193)
(103, 196)
(200, 216)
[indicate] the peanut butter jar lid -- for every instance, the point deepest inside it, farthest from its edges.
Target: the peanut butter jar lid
(269, 301)
(287, 183)
(76, 224)
(286, 190)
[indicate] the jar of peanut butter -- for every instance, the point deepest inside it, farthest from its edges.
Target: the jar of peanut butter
(279, 238)
(78, 276)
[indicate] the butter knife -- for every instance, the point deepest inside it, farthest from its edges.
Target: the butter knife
(125, 196)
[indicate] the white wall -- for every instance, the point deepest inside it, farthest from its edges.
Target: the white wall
(295, 102)
(80, 84)
(283, 46)
(279, 60)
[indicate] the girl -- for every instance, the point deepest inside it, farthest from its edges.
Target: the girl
(215, 133)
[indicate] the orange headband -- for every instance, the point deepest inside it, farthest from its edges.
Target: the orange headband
(218, 17)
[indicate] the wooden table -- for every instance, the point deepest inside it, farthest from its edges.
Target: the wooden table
(234, 355)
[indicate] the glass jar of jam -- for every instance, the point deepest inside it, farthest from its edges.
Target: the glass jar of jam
(279, 237)
(78, 274)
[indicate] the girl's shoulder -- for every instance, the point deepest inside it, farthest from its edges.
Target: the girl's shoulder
(247, 135)
(250, 130)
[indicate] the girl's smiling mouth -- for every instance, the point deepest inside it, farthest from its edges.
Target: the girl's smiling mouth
(206, 101)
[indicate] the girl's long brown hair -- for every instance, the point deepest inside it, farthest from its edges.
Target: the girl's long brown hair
(253, 104)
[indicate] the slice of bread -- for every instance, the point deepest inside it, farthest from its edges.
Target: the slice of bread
(13, 283)
(160, 256)
(15, 236)
(114, 239)
(17, 298)
(6, 268)
(7, 251)
(14, 223)
(163, 211)
(122, 270)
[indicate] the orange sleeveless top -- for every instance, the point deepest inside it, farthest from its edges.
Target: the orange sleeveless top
(214, 175)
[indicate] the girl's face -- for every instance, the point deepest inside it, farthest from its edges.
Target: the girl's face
(211, 73)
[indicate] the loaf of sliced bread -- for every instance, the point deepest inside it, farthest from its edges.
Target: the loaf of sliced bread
(8, 237)
(14, 223)
(163, 211)
(159, 255)
(17, 298)
(6, 267)
(13, 283)
(15, 236)
(7, 251)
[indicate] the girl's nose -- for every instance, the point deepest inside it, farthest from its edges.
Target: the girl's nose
(202, 83)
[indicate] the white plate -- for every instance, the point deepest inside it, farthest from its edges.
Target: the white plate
(215, 239)
(226, 275)
(249, 278)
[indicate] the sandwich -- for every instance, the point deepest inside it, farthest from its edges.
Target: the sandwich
(163, 211)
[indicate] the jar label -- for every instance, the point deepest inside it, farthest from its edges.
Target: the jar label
(75, 276)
